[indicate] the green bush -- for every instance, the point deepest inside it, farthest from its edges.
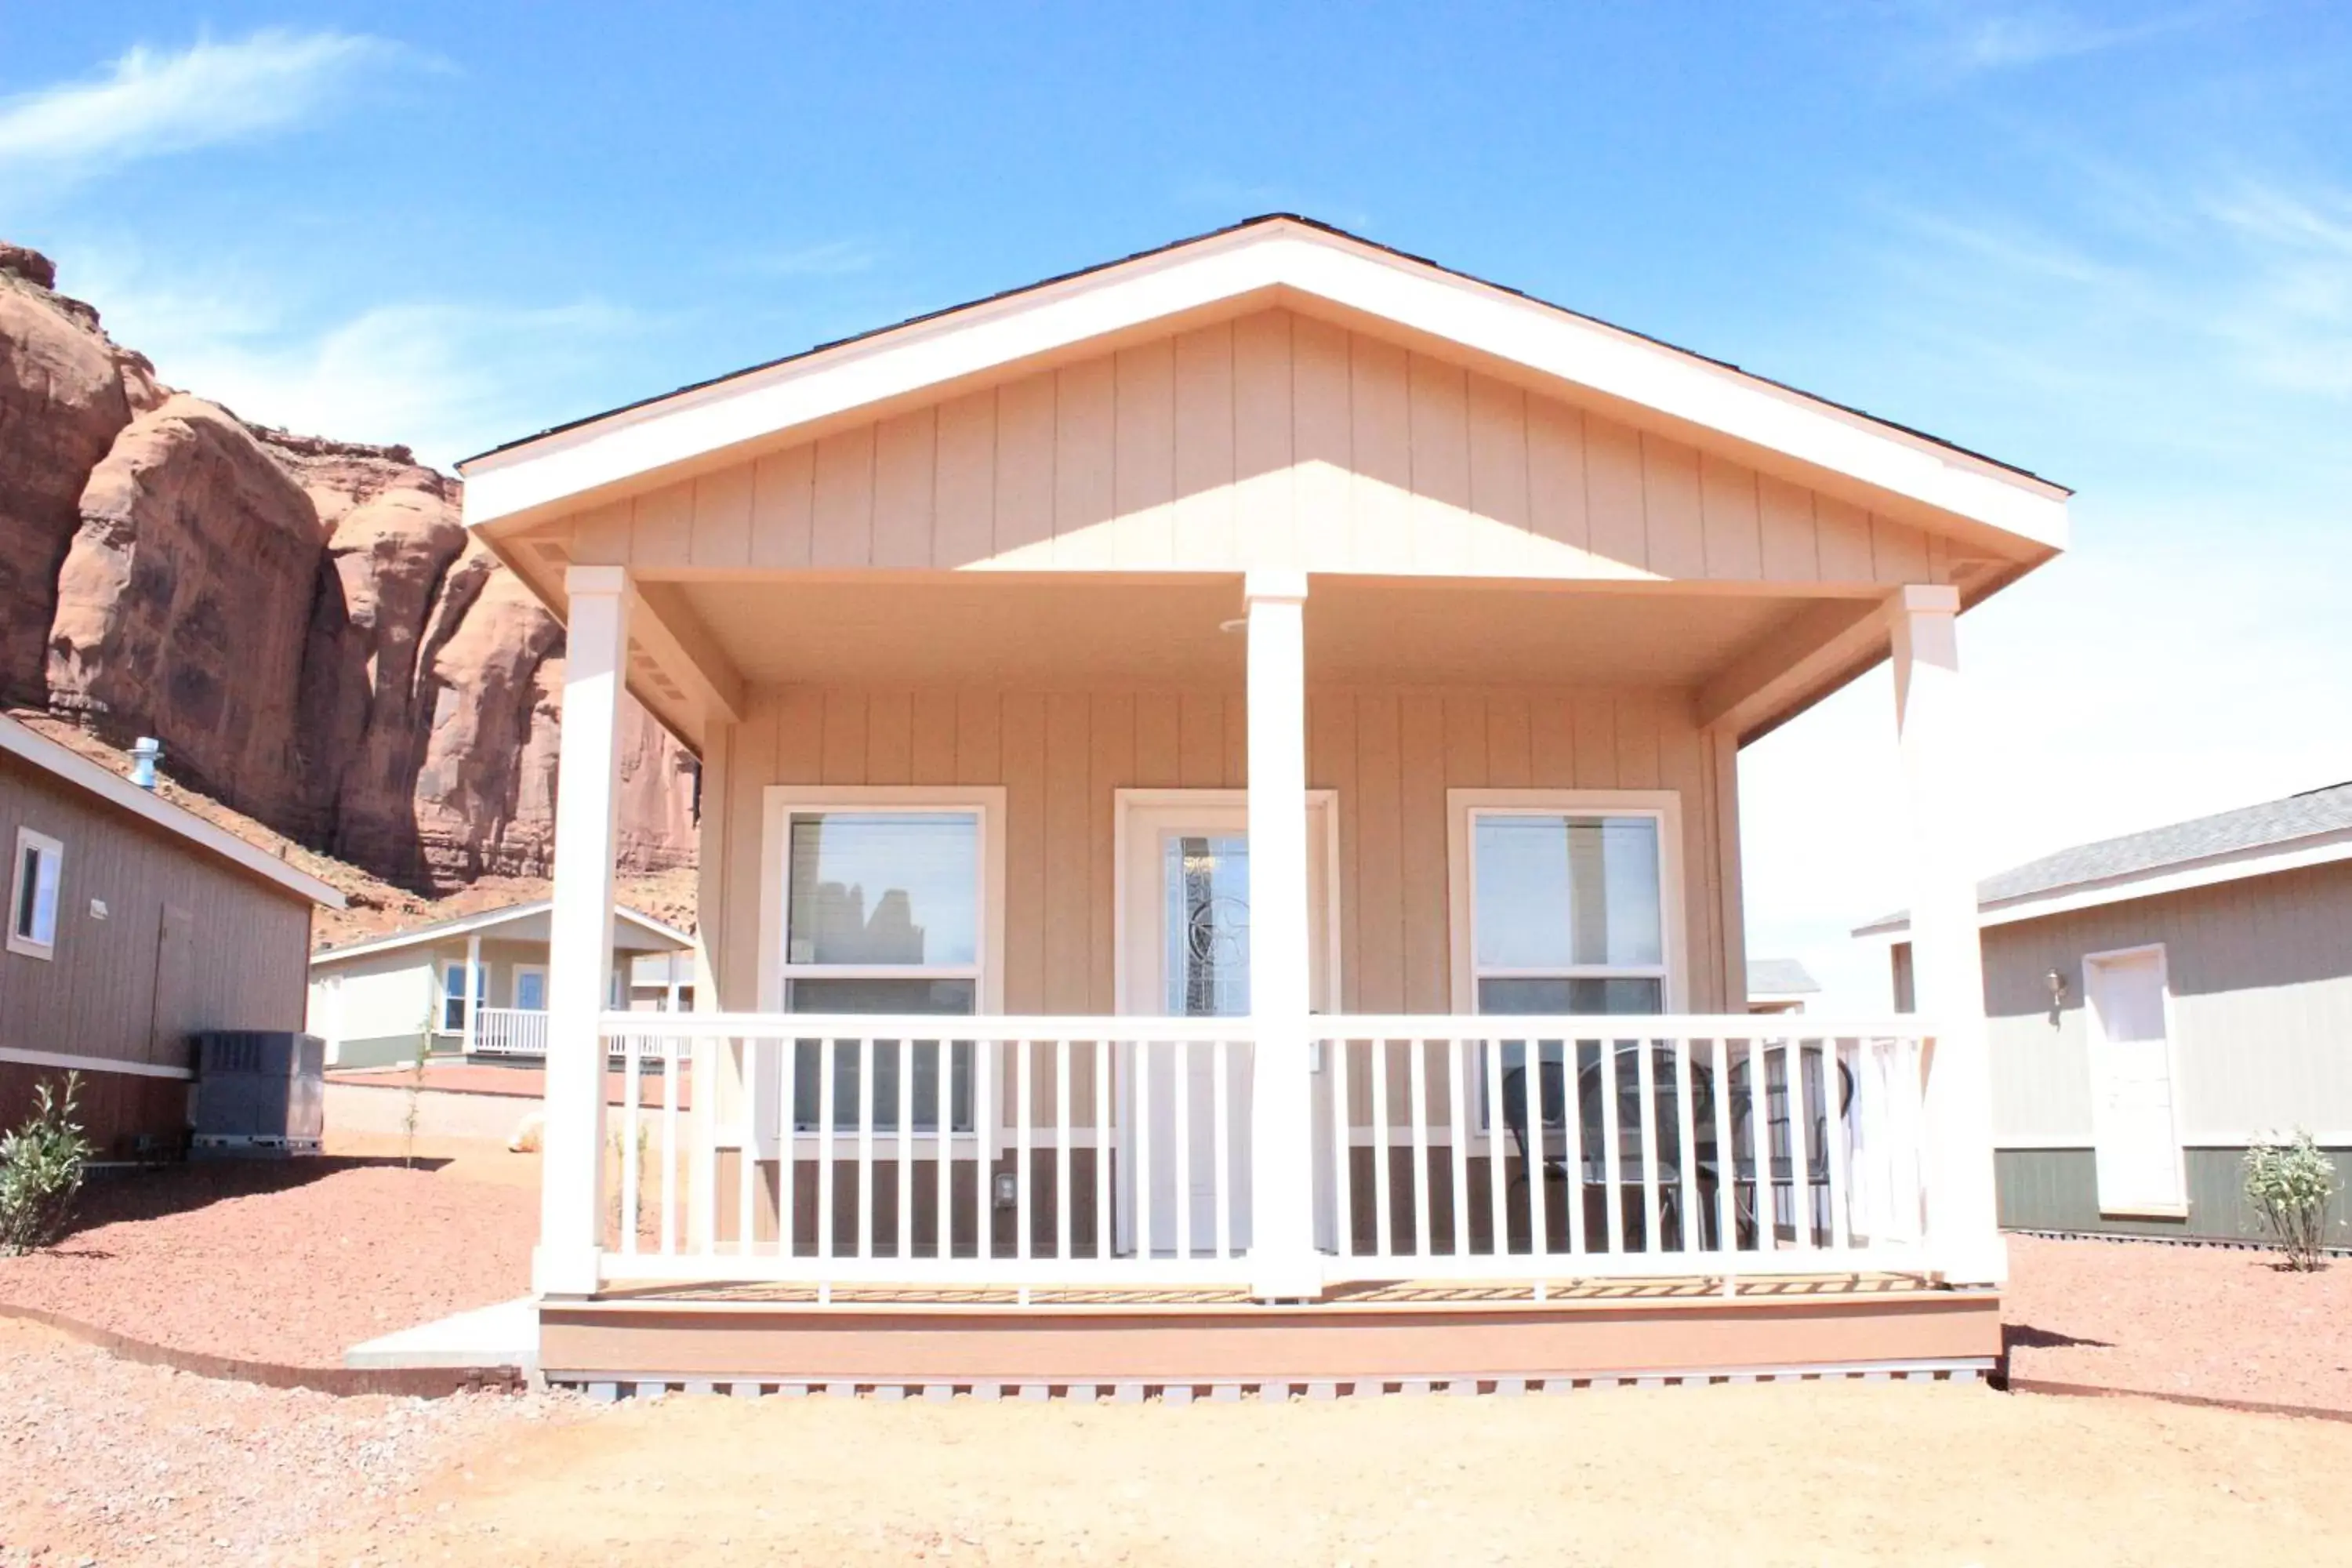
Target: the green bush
(2289, 1183)
(41, 1166)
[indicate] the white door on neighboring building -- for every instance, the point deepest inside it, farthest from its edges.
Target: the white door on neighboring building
(2136, 1134)
(1185, 892)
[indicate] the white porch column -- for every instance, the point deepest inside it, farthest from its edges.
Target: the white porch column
(1284, 1263)
(579, 933)
(1947, 955)
(472, 985)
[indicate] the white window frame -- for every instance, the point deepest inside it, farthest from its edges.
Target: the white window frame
(514, 987)
(443, 995)
(1464, 806)
(51, 854)
(784, 802)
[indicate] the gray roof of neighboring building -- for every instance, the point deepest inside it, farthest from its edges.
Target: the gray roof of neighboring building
(1779, 977)
(2298, 816)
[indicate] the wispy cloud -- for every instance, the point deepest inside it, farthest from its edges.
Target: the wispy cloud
(1956, 39)
(151, 102)
(445, 376)
(825, 258)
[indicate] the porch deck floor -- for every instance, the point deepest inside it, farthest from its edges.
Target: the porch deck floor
(1412, 1293)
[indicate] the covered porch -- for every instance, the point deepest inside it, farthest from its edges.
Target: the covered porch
(1235, 804)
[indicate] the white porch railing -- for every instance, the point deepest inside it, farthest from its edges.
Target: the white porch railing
(509, 1032)
(1102, 1152)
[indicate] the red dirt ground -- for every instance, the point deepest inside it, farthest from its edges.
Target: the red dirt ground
(2218, 1322)
(287, 1261)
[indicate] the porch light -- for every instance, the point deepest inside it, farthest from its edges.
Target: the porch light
(1005, 1190)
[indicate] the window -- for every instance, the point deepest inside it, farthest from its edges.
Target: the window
(33, 897)
(1570, 902)
(531, 987)
(885, 903)
(453, 995)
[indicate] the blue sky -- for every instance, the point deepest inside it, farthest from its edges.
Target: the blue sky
(2111, 243)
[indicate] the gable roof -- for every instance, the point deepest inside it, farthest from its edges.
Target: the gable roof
(2310, 829)
(22, 741)
(666, 937)
(1278, 256)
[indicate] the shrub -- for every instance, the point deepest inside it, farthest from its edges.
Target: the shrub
(2289, 1183)
(41, 1166)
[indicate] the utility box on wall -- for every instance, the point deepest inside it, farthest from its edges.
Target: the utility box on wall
(259, 1091)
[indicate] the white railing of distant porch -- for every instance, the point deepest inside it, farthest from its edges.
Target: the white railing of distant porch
(1003, 1152)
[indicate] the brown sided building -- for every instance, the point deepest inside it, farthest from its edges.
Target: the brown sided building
(130, 925)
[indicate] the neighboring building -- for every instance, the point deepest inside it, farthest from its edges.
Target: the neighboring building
(1193, 745)
(2157, 1000)
(383, 1000)
(131, 924)
(1780, 985)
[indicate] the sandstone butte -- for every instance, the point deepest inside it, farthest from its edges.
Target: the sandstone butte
(302, 621)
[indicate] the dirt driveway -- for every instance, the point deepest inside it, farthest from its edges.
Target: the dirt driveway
(1834, 1473)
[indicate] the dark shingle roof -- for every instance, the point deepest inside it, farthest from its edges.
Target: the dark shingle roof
(1779, 977)
(2134, 855)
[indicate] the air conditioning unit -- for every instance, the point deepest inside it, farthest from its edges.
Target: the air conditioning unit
(259, 1091)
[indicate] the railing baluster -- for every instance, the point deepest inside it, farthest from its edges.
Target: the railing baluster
(1062, 1205)
(1571, 1117)
(1140, 1073)
(788, 1148)
(1612, 1149)
(1221, 1184)
(1833, 1134)
(987, 1075)
(747, 1165)
(705, 1183)
(1417, 1101)
(1458, 1130)
(905, 1053)
(1727, 1238)
(943, 1152)
(632, 1196)
(1646, 1078)
(1383, 1243)
(1183, 1104)
(1497, 1131)
(1800, 1154)
(1024, 1090)
(828, 1062)
(671, 1078)
(1343, 1154)
(1687, 1213)
(1538, 1222)
(1759, 1148)
(865, 1146)
(1103, 1055)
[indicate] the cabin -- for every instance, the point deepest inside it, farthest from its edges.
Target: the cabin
(473, 986)
(133, 924)
(2155, 1002)
(1220, 860)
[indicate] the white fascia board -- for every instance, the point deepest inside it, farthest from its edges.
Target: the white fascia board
(1480, 317)
(2268, 860)
(63, 763)
(464, 925)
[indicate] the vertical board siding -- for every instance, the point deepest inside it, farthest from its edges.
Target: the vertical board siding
(1390, 754)
(2261, 974)
(1273, 439)
(98, 994)
(2058, 1189)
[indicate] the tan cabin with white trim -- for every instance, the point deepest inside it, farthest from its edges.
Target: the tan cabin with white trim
(1225, 682)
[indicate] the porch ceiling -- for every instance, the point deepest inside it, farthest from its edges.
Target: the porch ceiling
(1063, 630)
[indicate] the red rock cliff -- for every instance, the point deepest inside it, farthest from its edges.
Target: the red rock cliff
(302, 621)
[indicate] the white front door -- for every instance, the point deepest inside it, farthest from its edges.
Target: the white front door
(2133, 1129)
(1185, 954)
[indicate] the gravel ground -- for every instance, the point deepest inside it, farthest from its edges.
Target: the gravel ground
(284, 1261)
(2218, 1322)
(108, 1462)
